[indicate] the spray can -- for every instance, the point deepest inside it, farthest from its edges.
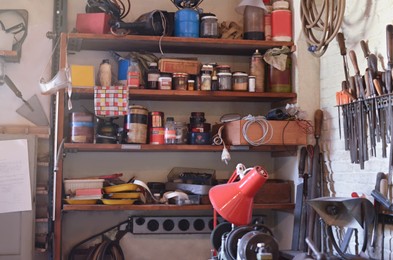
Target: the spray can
(257, 69)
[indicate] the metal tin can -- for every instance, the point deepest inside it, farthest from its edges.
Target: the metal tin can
(156, 119)
(156, 135)
(82, 127)
(135, 125)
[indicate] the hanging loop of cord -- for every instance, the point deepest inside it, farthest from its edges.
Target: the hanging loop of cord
(321, 23)
(266, 127)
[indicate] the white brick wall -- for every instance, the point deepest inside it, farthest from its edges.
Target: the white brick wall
(364, 20)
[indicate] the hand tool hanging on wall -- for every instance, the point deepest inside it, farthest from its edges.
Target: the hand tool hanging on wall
(360, 111)
(314, 189)
(389, 46)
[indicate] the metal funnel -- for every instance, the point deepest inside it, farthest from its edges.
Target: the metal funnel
(344, 212)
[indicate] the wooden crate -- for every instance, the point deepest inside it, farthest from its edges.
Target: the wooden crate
(179, 65)
(283, 133)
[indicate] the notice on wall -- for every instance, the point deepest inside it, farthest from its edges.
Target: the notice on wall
(15, 188)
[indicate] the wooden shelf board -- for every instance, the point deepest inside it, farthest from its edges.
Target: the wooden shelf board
(90, 147)
(153, 207)
(142, 43)
(7, 53)
(181, 95)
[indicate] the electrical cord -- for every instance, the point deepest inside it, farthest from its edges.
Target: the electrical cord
(266, 127)
(321, 23)
(218, 140)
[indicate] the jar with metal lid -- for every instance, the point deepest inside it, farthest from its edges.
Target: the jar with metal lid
(209, 26)
(240, 81)
(206, 77)
(224, 81)
(165, 81)
(179, 81)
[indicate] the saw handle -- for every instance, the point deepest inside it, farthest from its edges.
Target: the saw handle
(318, 117)
(352, 56)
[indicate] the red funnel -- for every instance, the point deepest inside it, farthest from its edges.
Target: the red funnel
(234, 201)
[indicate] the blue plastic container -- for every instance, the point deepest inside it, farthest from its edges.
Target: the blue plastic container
(122, 69)
(187, 23)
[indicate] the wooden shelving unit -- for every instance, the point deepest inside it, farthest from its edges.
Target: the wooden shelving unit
(76, 42)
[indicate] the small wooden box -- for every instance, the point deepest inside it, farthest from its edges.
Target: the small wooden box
(283, 133)
(274, 191)
(179, 65)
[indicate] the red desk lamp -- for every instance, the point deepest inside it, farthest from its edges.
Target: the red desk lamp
(234, 200)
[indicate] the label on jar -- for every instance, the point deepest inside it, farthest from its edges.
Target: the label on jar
(165, 83)
(206, 82)
(133, 79)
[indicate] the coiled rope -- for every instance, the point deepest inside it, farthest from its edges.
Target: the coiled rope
(321, 23)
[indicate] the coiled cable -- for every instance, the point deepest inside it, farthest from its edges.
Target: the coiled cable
(321, 23)
(266, 127)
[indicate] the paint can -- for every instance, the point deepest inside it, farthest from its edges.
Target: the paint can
(135, 125)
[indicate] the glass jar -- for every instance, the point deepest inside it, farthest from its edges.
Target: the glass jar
(181, 132)
(191, 84)
(152, 76)
(223, 68)
(224, 81)
(240, 81)
(179, 81)
(209, 27)
(206, 77)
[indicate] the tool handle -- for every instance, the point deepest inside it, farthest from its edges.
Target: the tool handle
(373, 65)
(378, 87)
(389, 44)
(12, 86)
(352, 56)
(318, 117)
(341, 43)
(352, 87)
(302, 161)
(365, 48)
(367, 81)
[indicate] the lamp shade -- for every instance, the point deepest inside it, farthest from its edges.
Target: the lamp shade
(234, 201)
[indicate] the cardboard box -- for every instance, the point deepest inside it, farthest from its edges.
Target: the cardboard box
(274, 191)
(97, 23)
(282, 133)
(179, 65)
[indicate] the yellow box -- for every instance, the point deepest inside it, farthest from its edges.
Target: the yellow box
(82, 76)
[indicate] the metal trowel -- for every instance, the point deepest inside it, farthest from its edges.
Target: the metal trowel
(31, 109)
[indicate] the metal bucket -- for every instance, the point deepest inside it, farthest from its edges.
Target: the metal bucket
(135, 125)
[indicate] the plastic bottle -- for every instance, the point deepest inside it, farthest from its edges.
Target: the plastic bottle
(170, 131)
(281, 21)
(105, 73)
(257, 69)
(133, 74)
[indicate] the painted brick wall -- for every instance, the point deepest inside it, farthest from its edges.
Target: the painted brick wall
(365, 20)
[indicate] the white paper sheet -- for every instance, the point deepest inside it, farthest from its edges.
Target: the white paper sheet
(15, 189)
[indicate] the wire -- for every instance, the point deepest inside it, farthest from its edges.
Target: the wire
(266, 127)
(321, 23)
